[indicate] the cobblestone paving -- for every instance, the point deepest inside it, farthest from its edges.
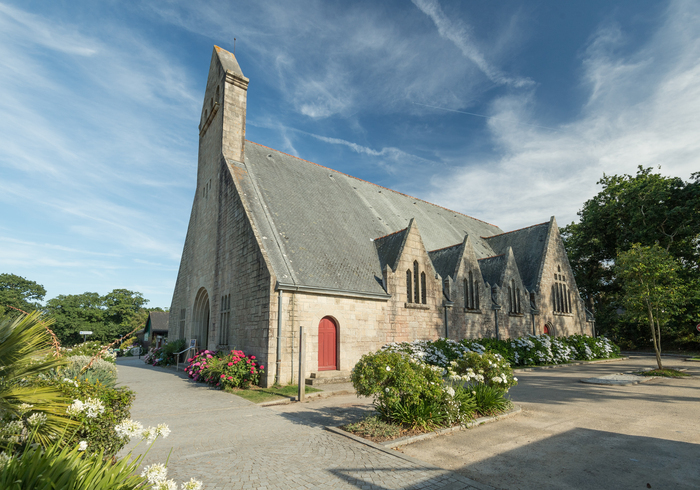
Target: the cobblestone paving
(230, 443)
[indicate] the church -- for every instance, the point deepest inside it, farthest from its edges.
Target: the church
(276, 242)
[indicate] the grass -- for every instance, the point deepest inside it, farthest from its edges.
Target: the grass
(256, 394)
(373, 428)
(666, 373)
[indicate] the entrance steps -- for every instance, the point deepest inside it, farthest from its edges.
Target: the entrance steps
(326, 377)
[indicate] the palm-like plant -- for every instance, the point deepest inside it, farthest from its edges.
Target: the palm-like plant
(25, 345)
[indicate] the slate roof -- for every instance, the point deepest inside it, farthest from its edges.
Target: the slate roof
(228, 61)
(389, 248)
(318, 225)
(445, 259)
(158, 321)
(528, 248)
(492, 268)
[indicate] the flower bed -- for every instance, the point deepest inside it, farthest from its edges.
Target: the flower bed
(225, 369)
(164, 355)
(532, 350)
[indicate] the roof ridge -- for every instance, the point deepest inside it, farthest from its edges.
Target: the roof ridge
(492, 257)
(444, 248)
(389, 234)
(376, 185)
(513, 231)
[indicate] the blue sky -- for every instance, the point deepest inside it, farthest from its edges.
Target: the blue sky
(508, 111)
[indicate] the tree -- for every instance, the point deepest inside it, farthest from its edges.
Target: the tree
(648, 209)
(108, 317)
(18, 292)
(652, 290)
(75, 312)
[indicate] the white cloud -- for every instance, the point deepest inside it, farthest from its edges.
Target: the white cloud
(643, 109)
(458, 33)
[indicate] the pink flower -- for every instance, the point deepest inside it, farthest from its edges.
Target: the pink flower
(231, 364)
(230, 377)
(262, 367)
(235, 361)
(208, 356)
(252, 357)
(223, 375)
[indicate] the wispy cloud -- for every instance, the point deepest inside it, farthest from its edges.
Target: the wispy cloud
(458, 33)
(622, 124)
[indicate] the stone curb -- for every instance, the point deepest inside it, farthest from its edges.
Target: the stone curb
(404, 441)
(651, 354)
(577, 363)
(403, 456)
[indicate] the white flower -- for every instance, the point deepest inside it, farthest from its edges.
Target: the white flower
(388, 368)
(163, 430)
(387, 390)
(155, 473)
(192, 485)
(129, 428)
(515, 379)
(75, 408)
(25, 407)
(82, 446)
(166, 485)
(450, 391)
(36, 419)
(4, 459)
(149, 434)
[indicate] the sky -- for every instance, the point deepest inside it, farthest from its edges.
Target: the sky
(506, 111)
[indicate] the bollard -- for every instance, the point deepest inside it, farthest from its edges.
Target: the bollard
(302, 358)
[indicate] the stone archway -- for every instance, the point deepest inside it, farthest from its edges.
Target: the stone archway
(200, 319)
(327, 344)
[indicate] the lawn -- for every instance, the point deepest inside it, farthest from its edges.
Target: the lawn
(256, 394)
(666, 373)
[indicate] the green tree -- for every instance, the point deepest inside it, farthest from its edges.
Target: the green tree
(652, 290)
(18, 292)
(75, 312)
(646, 208)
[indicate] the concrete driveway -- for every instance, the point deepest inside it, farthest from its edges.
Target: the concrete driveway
(572, 435)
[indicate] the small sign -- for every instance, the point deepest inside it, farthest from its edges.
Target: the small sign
(698, 327)
(85, 332)
(193, 343)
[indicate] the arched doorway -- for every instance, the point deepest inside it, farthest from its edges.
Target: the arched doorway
(327, 345)
(548, 329)
(200, 330)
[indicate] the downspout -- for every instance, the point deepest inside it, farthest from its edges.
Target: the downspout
(448, 304)
(279, 338)
(496, 307)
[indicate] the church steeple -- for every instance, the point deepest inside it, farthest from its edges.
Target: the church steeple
(224, 109)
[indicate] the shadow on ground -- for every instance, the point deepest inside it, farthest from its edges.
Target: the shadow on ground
(631, 462)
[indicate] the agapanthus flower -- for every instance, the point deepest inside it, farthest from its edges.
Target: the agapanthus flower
(82, 446)
(155, 473)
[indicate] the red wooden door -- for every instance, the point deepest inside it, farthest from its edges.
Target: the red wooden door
(327, 345)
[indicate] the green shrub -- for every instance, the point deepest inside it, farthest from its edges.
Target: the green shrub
(90, 348)
(487, 368)
(489, 400)
(406, 391)
(100, 372)
(99, 431)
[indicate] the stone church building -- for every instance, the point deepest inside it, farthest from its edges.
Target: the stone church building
(276, 242)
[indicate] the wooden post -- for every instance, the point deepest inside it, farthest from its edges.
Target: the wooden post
(302, 358)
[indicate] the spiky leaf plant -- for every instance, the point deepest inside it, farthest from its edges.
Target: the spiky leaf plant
(25, 355)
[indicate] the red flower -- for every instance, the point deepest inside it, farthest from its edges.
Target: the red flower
(223, 375)
(252, 357)
(230, 364)
(262, 367)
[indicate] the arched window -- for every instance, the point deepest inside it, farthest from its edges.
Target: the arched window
(517, 299)
(409, 289)
(446, 288)
(416, 289)
(471, 292)
(422, 288)
(476, 295)
(561, 294)
(217, 93)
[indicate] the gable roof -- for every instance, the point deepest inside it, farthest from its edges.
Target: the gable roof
(158, 321)
(492, 268)
(528, 246)
(318, 225)
(445, 260)
(389, 248)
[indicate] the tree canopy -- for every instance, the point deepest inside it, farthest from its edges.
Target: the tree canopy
(18, 292)
(647, 209)
(108, 317)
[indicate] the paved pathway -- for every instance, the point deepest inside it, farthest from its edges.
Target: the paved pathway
(230, 443)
